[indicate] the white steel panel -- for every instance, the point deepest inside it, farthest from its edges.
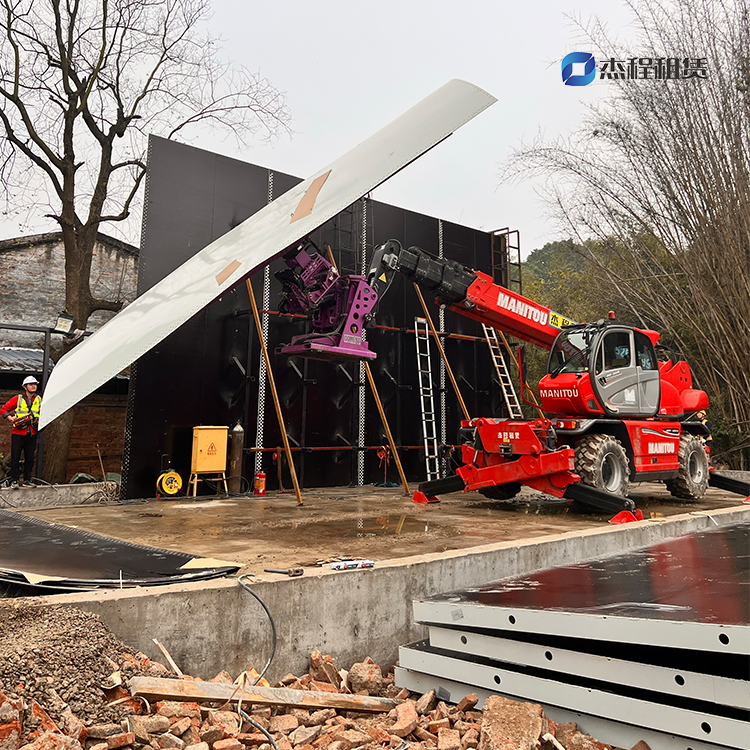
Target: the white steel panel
(657, 716)
(701, 636)
(614, 733)
(255, 242)
(668, 680)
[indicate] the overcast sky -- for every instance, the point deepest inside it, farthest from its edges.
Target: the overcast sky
(348, 68)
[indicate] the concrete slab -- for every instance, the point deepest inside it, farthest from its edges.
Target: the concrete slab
(369, 522)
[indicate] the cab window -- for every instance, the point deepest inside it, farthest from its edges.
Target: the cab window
(644, 352)
(617, 350)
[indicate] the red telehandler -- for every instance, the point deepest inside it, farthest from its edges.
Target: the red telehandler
(619, 413)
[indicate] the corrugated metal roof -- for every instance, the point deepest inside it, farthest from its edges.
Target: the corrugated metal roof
(17, 359)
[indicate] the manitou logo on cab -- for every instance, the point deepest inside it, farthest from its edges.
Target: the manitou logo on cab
(558, 392)
(662, 447)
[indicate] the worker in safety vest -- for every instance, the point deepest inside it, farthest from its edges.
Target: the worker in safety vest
(22, 411)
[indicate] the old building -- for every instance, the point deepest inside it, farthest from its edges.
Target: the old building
(33, 294)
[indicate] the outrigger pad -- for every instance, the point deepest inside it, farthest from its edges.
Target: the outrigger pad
(597, 500)
(442, 486)
(730, 484)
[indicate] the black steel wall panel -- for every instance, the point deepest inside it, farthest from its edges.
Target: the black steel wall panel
(194, 376)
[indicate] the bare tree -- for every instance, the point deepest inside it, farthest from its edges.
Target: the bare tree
(82, 84)
(659, 174)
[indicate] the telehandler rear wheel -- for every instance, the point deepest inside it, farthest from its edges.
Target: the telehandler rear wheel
(692, 477)
(601, 462)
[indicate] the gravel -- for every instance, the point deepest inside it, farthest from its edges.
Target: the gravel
(59, 655)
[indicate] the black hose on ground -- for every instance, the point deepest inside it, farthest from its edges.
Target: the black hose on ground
(273, 627)
(255, 723)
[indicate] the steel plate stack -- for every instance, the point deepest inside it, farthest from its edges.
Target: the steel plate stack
(650, 645)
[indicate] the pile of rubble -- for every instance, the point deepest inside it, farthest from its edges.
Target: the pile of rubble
(109, 717)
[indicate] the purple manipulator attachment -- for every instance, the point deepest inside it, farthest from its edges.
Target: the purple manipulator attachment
(340, 307)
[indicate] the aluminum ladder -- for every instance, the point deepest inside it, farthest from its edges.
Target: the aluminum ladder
(426, 401)
(506, 384)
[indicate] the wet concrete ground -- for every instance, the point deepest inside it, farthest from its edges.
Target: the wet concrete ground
(369, 522)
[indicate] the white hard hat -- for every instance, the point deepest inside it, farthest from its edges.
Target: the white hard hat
(29, 380)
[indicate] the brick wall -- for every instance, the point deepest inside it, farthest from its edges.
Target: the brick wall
(98, 419)
(32, 292)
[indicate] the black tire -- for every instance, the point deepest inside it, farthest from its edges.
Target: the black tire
(691, 481)
(501, 491)
(601, 462)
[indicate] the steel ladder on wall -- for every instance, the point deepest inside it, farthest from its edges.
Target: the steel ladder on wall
(506, 384)
(426, 401)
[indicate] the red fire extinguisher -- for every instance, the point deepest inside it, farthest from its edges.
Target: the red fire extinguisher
(259, 485)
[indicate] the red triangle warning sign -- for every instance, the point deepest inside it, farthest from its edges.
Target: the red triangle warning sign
(211, 449)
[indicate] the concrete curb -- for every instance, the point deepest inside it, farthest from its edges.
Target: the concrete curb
(216, 625)
(50, 496)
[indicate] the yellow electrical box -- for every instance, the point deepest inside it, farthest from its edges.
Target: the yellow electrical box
(209, 449)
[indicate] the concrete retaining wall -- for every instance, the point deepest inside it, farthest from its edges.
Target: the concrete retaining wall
(51, 496)
(216, 625)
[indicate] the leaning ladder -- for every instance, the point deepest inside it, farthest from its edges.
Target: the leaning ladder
(426, 401)
(506, 384)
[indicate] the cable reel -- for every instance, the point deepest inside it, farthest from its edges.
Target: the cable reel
(169, 482)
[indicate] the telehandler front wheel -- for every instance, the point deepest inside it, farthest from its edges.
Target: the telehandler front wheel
(601, 462)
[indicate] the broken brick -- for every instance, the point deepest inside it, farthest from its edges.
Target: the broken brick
(304, 735)
(449, 739)
(54, 741)
(99, 746)
(8, 711)
(438, 724)
(181, 726)
(10, 735)
(252, 738)
(231, 743)
(323, 687)
(211, 735)
(223, 678)
(470, 740)
(120, 740)
(353, 738)
(425, 736)
(179, 709)
(508, 723)
(323, 669)
(406, 719)
(426, 703)
(365, 676)
(640, 745)
(200, 746)
(379, 735)
(228, 721)
(467, 702)
(283, 723)
(102, 731)
(581, 741)
(169, 741)
(191, 736)
(45, 721)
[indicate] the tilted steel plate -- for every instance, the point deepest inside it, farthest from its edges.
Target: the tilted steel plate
(256, 242)
(625, 670)
(614, 733)
(691, 592)
(692, 723)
